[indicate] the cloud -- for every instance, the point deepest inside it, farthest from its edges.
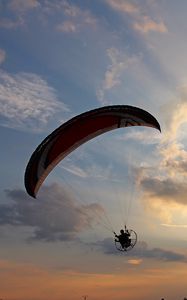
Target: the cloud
(90, 170)
(23, 5)
(119, 62)
(71, 10)
(27, 102)
(63, 6)
(175, 225)
(164, 197)
(174, 155)
(75, 170)
(140, 21)
(175, 114)
(11, 24)
(72, 17)
(2, 55)
(164, 190)
(55, 216)
(142, 251)
(67, 26)
(76, 19)
(17, 12)
(174, 159)
(134, 261)
(147, 25)
(123, 6)
(160, 254)
(143, 136)
(84, 16)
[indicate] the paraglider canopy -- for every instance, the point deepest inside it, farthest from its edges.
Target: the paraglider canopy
(77, 131)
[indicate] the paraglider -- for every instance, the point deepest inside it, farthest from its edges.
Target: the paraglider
(126, 240)
(77, 131)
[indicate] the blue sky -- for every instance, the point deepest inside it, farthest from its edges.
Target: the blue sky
(61, 58)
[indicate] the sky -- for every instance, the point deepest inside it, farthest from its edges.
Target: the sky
(59, 59)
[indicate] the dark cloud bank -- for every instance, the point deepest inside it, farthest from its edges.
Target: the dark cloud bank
(141, 250)
(55, 216)
(169, 190)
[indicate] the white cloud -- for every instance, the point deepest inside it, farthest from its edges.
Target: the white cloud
(2, 56)
(92, 170)
(27, 102)
(143, 136)
(174, 159)
(119, 62)
(75, 170)
(174, 155)
(175, 114)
